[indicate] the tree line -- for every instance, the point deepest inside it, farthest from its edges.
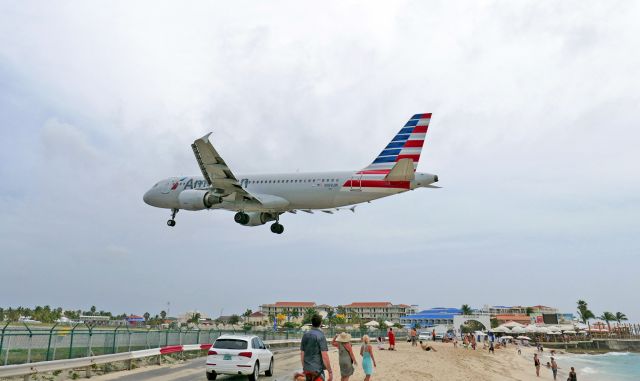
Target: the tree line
(585, 314)
(46, 314)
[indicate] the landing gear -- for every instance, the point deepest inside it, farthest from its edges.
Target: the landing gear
(172, 221)
(241, 218)
(277, 228)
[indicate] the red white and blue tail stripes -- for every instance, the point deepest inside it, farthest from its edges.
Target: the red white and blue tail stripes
(406, 144)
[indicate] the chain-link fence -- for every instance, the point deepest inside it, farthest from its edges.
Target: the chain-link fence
(21, 344)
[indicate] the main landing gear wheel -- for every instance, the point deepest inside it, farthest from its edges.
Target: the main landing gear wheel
(172, 221)
(277, 228)
(241, 218)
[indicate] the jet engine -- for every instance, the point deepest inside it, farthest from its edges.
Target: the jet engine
(257, 218)
(193, 199)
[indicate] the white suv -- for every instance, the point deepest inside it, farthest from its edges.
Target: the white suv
(235, 354)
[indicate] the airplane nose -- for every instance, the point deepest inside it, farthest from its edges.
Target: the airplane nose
(147, 198)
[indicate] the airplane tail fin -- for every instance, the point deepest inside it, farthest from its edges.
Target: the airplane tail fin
(407, 144)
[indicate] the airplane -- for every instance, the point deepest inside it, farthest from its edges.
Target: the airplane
(258, 199)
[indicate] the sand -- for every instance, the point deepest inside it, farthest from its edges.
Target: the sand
(449, 363)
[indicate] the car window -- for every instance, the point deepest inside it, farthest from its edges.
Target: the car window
(262, 344)
(230, 344)
(254, 343)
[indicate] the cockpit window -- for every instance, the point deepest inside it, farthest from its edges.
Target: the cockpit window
(156, 184)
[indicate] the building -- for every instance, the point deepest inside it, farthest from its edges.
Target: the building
(257, 318)
(378, 310)
(518, 318)
(431, 317)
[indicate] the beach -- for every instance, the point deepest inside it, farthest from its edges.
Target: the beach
(449, 363)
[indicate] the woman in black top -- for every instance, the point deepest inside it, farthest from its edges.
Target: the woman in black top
(536, 362)
(572, 375)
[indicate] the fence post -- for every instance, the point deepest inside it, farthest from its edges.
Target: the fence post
(30, 339)
(49, 344)
(73, 331)
(2, 338)
(90, 340)
(115, 339)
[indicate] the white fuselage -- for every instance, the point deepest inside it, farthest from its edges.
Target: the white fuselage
(292, 191)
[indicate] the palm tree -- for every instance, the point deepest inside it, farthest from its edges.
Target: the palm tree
(163, 314)
(466, 310)
(528, 311)
(607, 317)
(585, 313)
(620, 317)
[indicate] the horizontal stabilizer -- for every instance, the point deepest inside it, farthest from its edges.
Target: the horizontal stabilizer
(401, 171)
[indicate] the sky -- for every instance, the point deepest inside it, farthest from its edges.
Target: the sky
(534, 138)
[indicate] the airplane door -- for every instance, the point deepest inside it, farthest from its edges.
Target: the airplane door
(356, 183)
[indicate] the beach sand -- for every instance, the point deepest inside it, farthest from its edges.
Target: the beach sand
(449, 363)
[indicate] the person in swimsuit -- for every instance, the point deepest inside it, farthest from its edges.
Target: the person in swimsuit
(427, 347)
(368, 361)
(554, 368)
(536, 363)
(572, 375)
(346, 358)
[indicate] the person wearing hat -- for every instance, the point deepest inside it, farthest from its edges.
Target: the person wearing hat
(346, 358)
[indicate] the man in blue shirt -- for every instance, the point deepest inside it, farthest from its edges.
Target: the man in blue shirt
(313, 352)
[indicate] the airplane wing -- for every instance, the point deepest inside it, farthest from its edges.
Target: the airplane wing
(215, 170)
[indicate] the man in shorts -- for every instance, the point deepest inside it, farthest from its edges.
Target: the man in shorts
(313, 352)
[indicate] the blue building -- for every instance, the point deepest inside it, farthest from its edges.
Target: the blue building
(431, 317)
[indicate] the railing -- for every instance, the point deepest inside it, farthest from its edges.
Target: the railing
(20, 344)
(89, 363)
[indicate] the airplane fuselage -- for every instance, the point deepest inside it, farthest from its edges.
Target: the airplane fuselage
(302, 191)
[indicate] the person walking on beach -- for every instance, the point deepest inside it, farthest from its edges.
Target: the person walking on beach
(392, 340)
(572, 375)
(314, 352)
(554, 368)
(414, 337)
(346, 358)
(368, 361)
(536, 363)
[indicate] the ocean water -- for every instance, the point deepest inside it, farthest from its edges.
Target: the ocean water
(612, 366)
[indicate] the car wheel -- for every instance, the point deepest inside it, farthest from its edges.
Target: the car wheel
(211, 376)
(269, 371)
(256, 372)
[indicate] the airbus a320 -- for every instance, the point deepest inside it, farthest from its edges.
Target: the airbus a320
(259, 199)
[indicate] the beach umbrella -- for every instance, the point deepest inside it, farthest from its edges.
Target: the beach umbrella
(531, 328)
(554, 333)
(372, 323)
(501, 329)
(512, 324)
(523, 338)
(543, 330)
(517, 329)
(570, 332)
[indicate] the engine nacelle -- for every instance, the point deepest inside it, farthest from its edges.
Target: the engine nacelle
(194, 199)
(259, 218)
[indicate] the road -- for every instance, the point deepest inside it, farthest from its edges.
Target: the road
(286, 363)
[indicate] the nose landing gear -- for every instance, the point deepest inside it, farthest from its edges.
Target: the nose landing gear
(172, 221)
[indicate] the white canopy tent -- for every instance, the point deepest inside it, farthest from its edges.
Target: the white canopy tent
(372, 323)
(511, 324)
